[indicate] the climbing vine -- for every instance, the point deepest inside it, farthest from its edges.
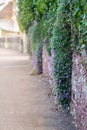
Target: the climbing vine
(79, 24)
(62, 59)
(25, 14)
(62, 26)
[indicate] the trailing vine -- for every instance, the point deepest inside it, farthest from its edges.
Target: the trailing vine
(79, 24)
(37, 40)
(25, 14)
(62, 27)
(62, 60)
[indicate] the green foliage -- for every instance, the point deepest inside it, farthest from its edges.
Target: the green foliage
(62, 60)
(25, 14)
(68, 22)
(36, 10)
(79, 24)
(36, 36)
(40, 8)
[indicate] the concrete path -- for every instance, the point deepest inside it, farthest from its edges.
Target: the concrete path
(24, 101)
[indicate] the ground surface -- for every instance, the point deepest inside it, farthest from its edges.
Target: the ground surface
(24, 99)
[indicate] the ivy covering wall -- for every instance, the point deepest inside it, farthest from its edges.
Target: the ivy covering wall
(62, 25)
(62, 60)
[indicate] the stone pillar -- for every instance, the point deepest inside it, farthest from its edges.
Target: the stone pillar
(79, 90)
(37, 61)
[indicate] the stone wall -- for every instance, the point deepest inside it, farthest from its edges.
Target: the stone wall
(79, 85)
(48, 72)
(79, 90)
(14, 43)
(47, 66)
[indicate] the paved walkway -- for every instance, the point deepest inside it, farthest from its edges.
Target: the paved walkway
(24, 101)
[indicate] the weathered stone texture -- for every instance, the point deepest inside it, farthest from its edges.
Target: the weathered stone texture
(79, 91)
(79, 86)
(47, 66)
